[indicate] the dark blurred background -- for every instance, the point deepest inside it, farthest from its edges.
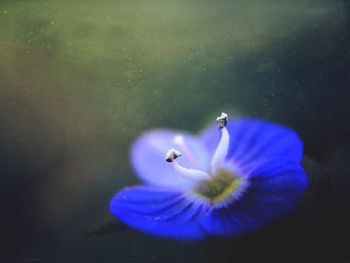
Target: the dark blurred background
(80, 80)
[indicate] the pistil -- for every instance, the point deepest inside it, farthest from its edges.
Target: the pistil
(180, 141)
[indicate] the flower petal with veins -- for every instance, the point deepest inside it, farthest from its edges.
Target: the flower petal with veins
(258, 179)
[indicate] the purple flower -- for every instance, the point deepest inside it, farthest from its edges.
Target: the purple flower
(224, 181)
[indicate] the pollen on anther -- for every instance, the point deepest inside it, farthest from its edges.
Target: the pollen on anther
(171, 155)
(222, 120)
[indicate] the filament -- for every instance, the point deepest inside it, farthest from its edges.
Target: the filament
(191, 174)
(221, 151)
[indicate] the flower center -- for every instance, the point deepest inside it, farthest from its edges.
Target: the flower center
(219, 187)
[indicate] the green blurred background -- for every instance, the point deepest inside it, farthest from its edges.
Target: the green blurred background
(80, 80)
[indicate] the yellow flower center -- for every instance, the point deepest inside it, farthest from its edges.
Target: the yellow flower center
(219, 187)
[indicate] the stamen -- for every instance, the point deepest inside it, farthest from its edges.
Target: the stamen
(191, 174)
(222, 120)
(222, 148)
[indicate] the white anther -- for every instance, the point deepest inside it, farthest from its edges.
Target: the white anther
(222, 120)
(171, 155)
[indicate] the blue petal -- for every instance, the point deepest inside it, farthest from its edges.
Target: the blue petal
(148, 157)
(256, 141)
(159, 211)
(275, 189)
